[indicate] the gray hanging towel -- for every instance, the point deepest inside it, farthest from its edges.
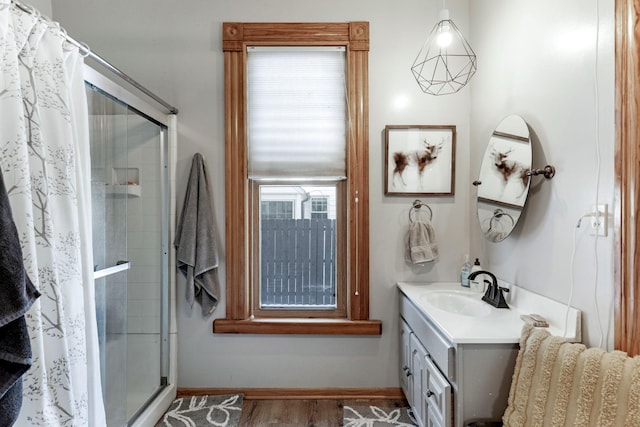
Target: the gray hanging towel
(17, 294)
(421, 243)
(195, 242)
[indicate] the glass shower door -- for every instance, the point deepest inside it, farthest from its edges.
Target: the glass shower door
(144, 242)
(128, 156)
(108, 136)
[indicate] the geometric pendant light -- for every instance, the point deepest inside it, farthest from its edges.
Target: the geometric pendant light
(446, 62)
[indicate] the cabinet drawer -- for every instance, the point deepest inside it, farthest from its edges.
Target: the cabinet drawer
(440, 350)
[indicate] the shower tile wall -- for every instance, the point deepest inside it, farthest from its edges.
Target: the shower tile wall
(144, 228)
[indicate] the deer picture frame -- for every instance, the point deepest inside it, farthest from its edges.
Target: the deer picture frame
(420, 160)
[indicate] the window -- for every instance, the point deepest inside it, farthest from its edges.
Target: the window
(296, 176)
(276, 209)
(296, 123)
(301, 268)
(319, 207)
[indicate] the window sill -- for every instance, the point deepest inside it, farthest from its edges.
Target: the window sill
(298, 326)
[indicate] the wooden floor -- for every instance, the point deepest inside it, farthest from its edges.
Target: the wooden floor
(303, 413)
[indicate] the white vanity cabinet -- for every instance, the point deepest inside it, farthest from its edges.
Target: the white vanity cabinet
(450, 384)
(424, 386)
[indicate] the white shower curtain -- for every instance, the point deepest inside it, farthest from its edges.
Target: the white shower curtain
(44, 157)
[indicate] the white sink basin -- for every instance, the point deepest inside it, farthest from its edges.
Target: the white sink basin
(460, 303)
(464, 318)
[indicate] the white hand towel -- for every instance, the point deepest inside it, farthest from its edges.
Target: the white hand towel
(421, 243)
(496, 236)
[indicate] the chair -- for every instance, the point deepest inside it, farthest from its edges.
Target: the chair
(557, 383)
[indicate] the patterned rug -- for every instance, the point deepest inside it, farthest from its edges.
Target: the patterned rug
(373, 416)
(203, 411)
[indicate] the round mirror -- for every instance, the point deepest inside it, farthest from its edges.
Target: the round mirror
(504, 178)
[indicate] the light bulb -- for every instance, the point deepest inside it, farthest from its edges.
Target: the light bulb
(444, 37)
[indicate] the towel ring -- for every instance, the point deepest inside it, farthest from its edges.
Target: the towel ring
(497, 215)
(417, 205)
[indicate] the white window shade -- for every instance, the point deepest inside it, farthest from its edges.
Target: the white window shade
(297, 118)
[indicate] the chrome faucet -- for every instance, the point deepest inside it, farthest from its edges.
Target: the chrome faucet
(494, 294)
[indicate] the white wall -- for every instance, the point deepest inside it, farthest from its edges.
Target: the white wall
(542, 65)
(43, 6)
(174, 48)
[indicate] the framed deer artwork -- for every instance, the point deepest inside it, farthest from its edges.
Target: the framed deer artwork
(420, 160)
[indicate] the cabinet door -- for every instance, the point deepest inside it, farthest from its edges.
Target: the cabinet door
(433, 420)
(405, 360)
(437, 394)
(418, 378)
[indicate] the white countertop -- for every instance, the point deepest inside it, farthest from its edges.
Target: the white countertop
(496, 325)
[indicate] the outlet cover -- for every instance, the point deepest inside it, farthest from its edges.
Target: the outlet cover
(599, 220)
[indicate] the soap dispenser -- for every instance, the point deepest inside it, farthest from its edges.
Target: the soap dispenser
(465, 271)
(477, 284)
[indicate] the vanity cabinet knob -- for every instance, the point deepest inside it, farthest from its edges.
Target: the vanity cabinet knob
(430, 393)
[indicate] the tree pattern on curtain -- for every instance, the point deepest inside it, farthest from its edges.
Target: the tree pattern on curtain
(45, 162)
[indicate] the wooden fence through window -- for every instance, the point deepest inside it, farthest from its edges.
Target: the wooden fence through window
(298, 263)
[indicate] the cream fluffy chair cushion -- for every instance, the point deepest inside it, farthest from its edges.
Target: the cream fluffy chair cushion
(557, 383)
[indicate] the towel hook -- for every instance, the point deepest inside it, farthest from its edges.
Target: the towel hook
(417, 205)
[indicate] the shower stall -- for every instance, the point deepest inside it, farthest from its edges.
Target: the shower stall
(131, 144)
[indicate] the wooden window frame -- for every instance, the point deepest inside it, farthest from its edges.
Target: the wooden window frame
(239, 317)
(341, 298)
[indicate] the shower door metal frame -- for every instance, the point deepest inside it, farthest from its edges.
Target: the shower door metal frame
(168, 328)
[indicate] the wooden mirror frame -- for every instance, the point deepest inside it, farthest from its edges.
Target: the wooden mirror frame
(627, 177)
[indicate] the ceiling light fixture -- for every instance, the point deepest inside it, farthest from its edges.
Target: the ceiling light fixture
(446, 62)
